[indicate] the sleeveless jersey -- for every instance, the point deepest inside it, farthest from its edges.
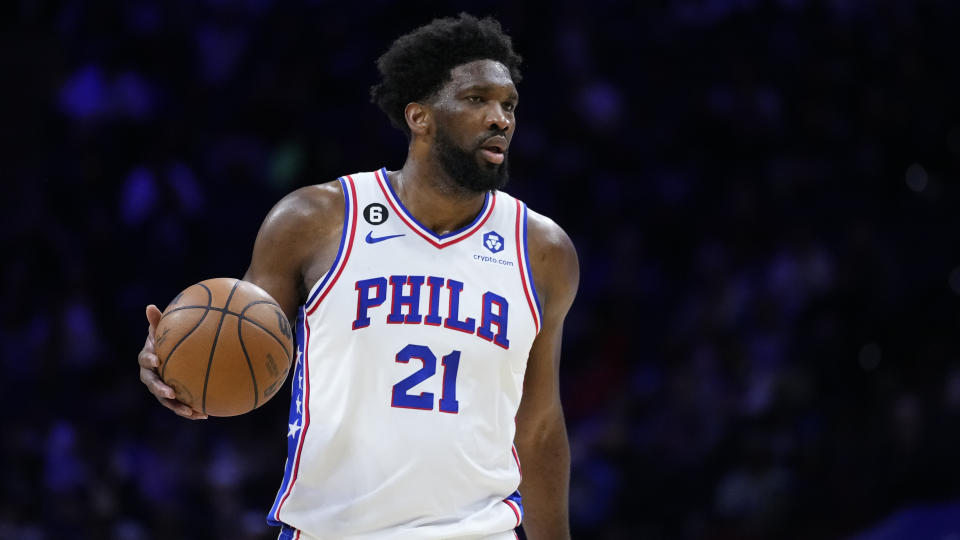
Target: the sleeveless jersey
(408, 375)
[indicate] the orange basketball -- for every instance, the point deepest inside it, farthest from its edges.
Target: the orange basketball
(224, 346)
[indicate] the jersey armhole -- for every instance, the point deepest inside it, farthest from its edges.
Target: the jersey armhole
(526, 273)
(324, 284)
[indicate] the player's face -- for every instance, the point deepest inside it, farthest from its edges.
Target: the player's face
(475, 123)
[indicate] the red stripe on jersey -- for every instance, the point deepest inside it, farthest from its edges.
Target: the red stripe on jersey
(517, 459)
(523, 269)
(306, 419)
(352, 208)
(516, 512)
(425, 236)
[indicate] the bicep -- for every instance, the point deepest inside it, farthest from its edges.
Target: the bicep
(540, 403)
(279, 282)
(556, 275)
(273, 268)
(293, 234)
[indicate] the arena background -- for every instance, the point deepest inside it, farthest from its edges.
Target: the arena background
(763, 195)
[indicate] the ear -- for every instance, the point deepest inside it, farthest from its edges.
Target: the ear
(418, 118)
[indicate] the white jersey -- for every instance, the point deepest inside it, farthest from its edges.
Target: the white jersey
(409, 371)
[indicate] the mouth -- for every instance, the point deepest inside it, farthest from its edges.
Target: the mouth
(494, 149)
(493, 155)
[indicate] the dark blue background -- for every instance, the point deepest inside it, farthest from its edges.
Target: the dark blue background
(763, 195)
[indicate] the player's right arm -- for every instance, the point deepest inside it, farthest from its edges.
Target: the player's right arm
(297, 243)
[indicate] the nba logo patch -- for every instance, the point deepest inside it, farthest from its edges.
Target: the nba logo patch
(493, 242)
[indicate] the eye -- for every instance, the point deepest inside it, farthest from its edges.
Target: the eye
(509, 106)
(475, 99)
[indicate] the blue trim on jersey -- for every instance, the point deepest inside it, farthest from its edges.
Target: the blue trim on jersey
(526, 259)
(486, 202)
(296, 415)
(515, 497)
(343, 240)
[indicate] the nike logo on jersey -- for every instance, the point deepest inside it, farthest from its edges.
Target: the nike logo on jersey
(373, 240)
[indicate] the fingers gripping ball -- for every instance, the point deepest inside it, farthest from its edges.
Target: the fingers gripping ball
(224, 346)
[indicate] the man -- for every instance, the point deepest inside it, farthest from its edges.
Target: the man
(429, 309)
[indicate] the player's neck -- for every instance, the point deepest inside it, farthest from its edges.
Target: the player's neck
(434, 198)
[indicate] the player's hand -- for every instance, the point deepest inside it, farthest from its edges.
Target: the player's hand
(148, 372)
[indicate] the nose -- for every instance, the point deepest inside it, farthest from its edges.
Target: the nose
(498, 119)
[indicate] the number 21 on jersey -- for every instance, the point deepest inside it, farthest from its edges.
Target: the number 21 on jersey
(424, 400)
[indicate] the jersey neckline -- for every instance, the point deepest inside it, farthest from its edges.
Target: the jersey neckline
(437, 240)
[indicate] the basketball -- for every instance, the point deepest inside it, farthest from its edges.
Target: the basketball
(224, 346)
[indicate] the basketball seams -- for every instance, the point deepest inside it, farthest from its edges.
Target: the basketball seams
(246, 356)
(209, 294)
(252, 331)
(163, 370)
(194, 337)
(181, 308)
(241, 318)
(213, 347)
(262, 327)
(244, 318)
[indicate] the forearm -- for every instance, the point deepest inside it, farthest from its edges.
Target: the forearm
(545, 460)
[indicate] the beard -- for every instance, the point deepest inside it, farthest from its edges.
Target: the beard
(464, 168)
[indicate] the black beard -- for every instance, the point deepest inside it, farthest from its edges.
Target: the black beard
(462, 167)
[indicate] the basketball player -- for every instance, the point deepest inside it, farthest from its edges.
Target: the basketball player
(429, 308)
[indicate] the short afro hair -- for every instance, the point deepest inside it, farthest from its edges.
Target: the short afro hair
(418, 64)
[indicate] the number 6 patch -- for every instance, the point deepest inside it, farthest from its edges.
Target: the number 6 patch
(375, 213)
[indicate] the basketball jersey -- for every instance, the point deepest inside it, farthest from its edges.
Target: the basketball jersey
(411, 353)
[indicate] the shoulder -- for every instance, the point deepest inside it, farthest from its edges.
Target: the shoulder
(553, 261)
(304, 225)
(307, 209)
(297, 241)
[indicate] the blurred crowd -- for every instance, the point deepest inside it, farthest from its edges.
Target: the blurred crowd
(762, 195)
